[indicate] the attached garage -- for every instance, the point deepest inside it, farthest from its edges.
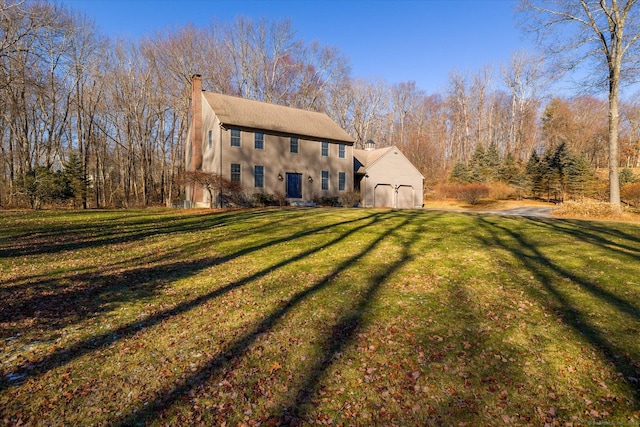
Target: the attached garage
(383, 196)
(405, 197)
(386, 178)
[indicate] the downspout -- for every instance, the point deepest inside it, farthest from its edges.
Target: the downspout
(220, 189)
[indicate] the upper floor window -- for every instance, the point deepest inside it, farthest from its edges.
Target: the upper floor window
(235, 173)
(325, 180)
(235, 137)
(293, 144)
(259, 141)
(342, 151)
(325, 149)
(258, 176)
(342, 181)
(210, 139)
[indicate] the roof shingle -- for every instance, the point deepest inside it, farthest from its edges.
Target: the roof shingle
(246, 113)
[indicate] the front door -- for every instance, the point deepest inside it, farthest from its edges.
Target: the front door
(294, 185)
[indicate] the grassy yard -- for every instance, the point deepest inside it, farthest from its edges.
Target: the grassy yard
(330, 316)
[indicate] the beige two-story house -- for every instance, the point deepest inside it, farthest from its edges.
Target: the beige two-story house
(266, 148)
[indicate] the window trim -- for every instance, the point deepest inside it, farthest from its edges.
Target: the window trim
(238, 173)
(238, 138)
(342, 151)
(342, 181)
(325, 149)
(256, 175)
(256, 140)
(324, 180)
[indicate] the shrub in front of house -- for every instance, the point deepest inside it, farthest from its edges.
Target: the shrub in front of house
(349, 199)
(324, 201)
(263, 199)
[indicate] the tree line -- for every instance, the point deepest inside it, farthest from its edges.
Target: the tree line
(110, 117)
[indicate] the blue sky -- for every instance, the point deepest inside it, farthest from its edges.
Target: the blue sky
(402, 40)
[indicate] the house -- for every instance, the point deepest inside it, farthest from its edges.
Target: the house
(386, 178)
(266, 148)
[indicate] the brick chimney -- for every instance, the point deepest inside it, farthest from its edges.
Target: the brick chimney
(196, 122)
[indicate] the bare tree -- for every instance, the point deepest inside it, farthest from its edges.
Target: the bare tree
(523, 77)
(605, 32)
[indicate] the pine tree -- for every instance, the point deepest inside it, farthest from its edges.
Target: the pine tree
(492, 163)
(580, 176)
(511, 172)
(557, 165)
(477, 164)
(460, 174)
(534, 173)
(74, 172)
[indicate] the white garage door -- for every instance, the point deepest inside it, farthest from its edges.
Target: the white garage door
(383, 196)
(405, 197)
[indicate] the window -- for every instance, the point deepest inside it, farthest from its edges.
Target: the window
(210, 139)
(258, 176)
(293, 144)
(325, 149)
(259, 141)
(235, 137)
(342, 181)
(325, 180)
(342, 150)
(235, 173)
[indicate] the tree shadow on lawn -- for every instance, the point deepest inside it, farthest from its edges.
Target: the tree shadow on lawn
(88, 303)
(546, 271)
(196, 223)
(608, 236)
(125, 228)
(58, 300)
(342, 332)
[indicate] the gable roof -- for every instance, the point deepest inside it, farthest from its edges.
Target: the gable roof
(365, 159)
(247, 113)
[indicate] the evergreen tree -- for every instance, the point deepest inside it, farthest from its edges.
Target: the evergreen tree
(492, 163)
(534, 174)
(460, 174)
(42, 185)
(511, 172)
(74, 172)
(626, 175)
(477, 164)
(557, 168)
(580, 176)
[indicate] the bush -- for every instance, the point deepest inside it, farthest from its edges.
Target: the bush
(445, 191)
(588, 209)
(263, 199)
(280, 198)
(631, 193)
(325, 201)
(502, 191)
(626, 176)
(471, 193)
(349, 199)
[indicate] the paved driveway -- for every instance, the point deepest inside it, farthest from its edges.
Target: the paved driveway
(541, 212)
(526, 211)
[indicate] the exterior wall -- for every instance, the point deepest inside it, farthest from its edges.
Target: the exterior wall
(392, 182)
(278, 160)
(275, 157)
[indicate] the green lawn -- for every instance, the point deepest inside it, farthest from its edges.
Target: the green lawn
(330, 316)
